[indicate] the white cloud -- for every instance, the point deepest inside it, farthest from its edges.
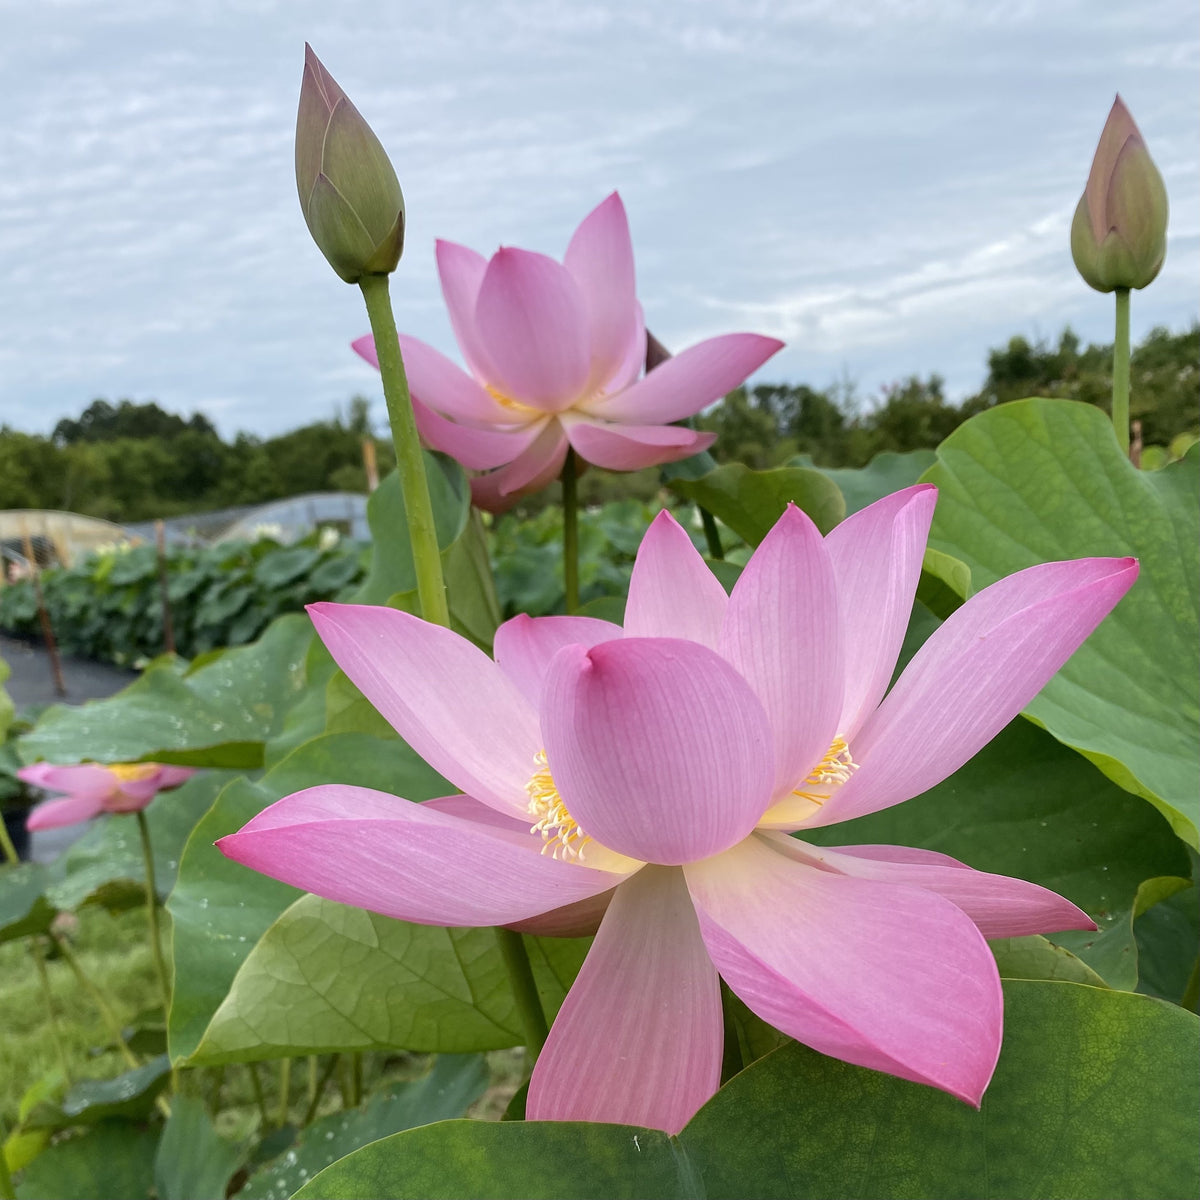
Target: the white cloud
(888, 184)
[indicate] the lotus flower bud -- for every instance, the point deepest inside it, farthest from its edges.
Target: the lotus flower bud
(1119, 235)
(348, 190)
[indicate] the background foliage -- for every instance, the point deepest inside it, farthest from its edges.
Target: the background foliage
(110, 605)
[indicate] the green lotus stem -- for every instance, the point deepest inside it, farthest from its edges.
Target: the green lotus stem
(107, 1015)
(422, 533)
(6, 1184)
(6, 844)
(285, 1087)
(314, 1099)
(570, 501)
(217, 1078)
(356, 1078)
(39, 957)
(431, 588)
(92, 988)
(1120, 398)
(734, 1057)
(711, 533)
(259, 1098)
(1191, 993)
(529, 1003)
(152, 930)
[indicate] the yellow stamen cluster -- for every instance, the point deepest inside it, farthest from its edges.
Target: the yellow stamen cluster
(832, 771)
(129, 772)
(561, 835)
(514, 406)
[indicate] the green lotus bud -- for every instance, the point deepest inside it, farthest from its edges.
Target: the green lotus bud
(348, 190)
(1119, 235)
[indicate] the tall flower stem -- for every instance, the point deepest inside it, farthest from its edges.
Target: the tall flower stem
(431, 588)
(285, 1091)
(107, 1015)
(259, 1098)
(152, 929)
(315, 1093)
(529, 1003)
(1191, 993)
(1120, 398)
(39, 958)
(570, 502)
(711, 533)
(422, 533)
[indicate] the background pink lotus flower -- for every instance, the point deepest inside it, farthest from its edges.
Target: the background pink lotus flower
(93, 788)
(554, 352)
(661, 768)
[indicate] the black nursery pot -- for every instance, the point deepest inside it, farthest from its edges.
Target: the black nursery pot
(14, 822)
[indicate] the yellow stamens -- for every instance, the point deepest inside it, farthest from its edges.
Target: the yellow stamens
(128, 772)
(831, 772)
(514, 406)
(561, 835)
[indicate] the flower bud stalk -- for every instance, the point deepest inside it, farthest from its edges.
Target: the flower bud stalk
(1120, 397)
(410, 460)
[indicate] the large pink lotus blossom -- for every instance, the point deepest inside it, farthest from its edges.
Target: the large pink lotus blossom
(554, 352)
(654, 773)
(93, 788)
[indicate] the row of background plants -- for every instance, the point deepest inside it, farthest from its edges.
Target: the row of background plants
(109, 608)
(133, 461)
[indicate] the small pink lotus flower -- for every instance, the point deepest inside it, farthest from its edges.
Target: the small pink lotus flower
(93, 788)
(654, 774)
(554, 352)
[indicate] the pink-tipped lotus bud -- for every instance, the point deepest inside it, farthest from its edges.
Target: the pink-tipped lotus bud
(1119, 235)
(348, 190)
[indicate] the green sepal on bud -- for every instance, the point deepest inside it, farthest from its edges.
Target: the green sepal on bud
(1119, 234)
(349, 192)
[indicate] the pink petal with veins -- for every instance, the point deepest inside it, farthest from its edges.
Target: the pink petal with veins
(638, 1039)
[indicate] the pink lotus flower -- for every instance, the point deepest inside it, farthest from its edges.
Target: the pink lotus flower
(663, 766)
(93, 788)
(554, 352)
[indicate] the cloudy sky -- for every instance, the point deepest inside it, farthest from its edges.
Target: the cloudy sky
(887, 185)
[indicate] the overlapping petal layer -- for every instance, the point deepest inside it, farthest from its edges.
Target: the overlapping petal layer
(658, 747)
(932, 1009)
(344, 843)
(441, 694)
(648, 947)
(973, 675)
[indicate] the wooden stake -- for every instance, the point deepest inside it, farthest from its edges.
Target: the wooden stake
(60, 687)
(369, 465)
(160, 540)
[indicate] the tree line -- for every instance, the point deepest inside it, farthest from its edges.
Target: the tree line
(133, 461)
(766, 425)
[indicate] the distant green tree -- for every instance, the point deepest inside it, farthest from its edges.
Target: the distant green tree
(105, 422)
(132, 461)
